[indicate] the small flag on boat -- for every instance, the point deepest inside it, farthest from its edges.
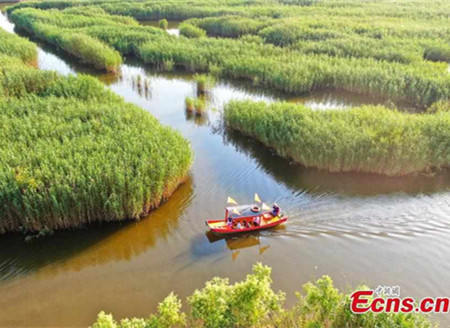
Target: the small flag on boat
(231, 201)
(265, 207)
(257, 199)
(235, 211)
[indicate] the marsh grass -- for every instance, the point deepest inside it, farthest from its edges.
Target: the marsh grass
(327, 49)
(369, 139)
(14, 46)
(65, 163)
(191, 31)
(204, 82)
(190, 104)
(72, 152)
(200, 106)
(78, 44)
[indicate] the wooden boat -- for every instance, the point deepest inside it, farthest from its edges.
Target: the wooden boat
(245, 213)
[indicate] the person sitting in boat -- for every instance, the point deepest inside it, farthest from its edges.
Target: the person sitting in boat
(239, 225)
(276, 210)
(256, 221)
(246, 224)
(229, 221)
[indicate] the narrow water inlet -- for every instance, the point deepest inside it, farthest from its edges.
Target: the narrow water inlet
(394, 230)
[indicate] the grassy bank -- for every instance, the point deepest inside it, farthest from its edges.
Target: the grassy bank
(253, 303)
(13, 46)
(73, 152)
(77, 44)
(369, 139)
(328, 49)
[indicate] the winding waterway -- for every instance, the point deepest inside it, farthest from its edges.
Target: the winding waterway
(356, 228)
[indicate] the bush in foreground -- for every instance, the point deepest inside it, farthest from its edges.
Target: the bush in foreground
(370, 139)
(253, 303)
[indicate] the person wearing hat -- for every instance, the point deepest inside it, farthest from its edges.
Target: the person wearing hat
(275, 209)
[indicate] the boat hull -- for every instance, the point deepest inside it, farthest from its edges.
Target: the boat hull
(220, 227)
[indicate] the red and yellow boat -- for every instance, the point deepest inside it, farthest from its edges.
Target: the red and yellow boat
(247, 218)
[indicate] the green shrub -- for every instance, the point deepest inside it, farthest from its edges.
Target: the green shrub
(322, 305)
(104, 321)
(169, 314)
(243, 304)
(252, 303)
(163, 23)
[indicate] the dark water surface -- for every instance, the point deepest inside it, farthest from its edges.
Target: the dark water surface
(356, 228)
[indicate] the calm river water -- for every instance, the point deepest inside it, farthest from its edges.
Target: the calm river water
(355, 228)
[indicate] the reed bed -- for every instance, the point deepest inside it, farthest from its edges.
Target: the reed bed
(191, 31)
(80, 45)
(296, 48)
(323, 52)
(181, 10)
(14, 46)
(421, 83)
(177, 10)
(125, 40)
(73, 152)
(65, 163)
(369, 139)
(404, 40)
(230, 26)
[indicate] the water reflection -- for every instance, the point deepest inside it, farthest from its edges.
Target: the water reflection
(297, 177)
(199, 120)
(235, 244)
(172, 27)
(93, 245)
(341, 99)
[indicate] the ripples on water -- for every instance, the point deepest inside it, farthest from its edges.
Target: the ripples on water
(356, 228)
